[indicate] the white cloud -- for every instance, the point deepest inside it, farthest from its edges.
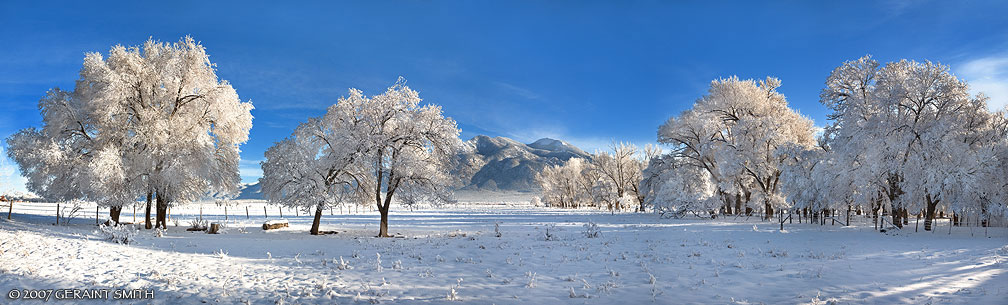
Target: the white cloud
(990, 76)
(249, 170)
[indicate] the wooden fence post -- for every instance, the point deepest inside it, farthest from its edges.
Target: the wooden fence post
(247, 213)
(264, 212)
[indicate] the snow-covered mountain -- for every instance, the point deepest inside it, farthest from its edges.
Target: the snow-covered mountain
(492, 164)
(504, 164)
(249, 191)
(21, 196)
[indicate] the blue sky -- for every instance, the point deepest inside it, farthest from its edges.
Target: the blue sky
(586, 72)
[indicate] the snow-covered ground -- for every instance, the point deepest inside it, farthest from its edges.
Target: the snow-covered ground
(542, 256)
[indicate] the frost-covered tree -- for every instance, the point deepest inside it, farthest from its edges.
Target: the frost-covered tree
(610, 179)
(178, 124)
(568, 185)
(316, 167)
(408, 149)
(621, 169)
(153, 120)
(733, 133)
(675, 186)
(923, 140)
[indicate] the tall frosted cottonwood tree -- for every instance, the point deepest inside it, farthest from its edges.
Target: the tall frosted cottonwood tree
(733, 134)
(182, 124)
(380, 147)
(924, 141)
(409, 148)
(153, 120)
(317, 166)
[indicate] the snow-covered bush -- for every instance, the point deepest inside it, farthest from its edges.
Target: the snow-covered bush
(550, 233)
(343, 265)
(198, 225)
(121, 234)
(591, 230)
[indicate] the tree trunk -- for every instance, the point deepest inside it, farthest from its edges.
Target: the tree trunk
(147, 222)
(383, 228)
(738, 203)
(114, 212)
(769, 210)
(318, 219)
(929, 212)
(896, 214)
(162, 212)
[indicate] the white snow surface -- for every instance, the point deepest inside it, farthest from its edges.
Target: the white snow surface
(451, 254)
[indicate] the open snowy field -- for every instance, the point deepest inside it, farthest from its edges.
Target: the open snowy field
(542, 256)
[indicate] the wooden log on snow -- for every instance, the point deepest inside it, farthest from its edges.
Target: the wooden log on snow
(214, 228)
(275, 224)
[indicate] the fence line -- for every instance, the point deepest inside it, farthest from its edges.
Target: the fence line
(136, 213)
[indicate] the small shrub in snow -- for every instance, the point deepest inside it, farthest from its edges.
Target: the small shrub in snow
(497, 229)
(221, 254)
(551, 233)
(575, 295)
(453, 291)
(607, 286)
(122, 234)
(532, 277)
(831, 301)
(343, 265)
(655, 292)
(591, 230)
(198, 225)
(452, 295)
